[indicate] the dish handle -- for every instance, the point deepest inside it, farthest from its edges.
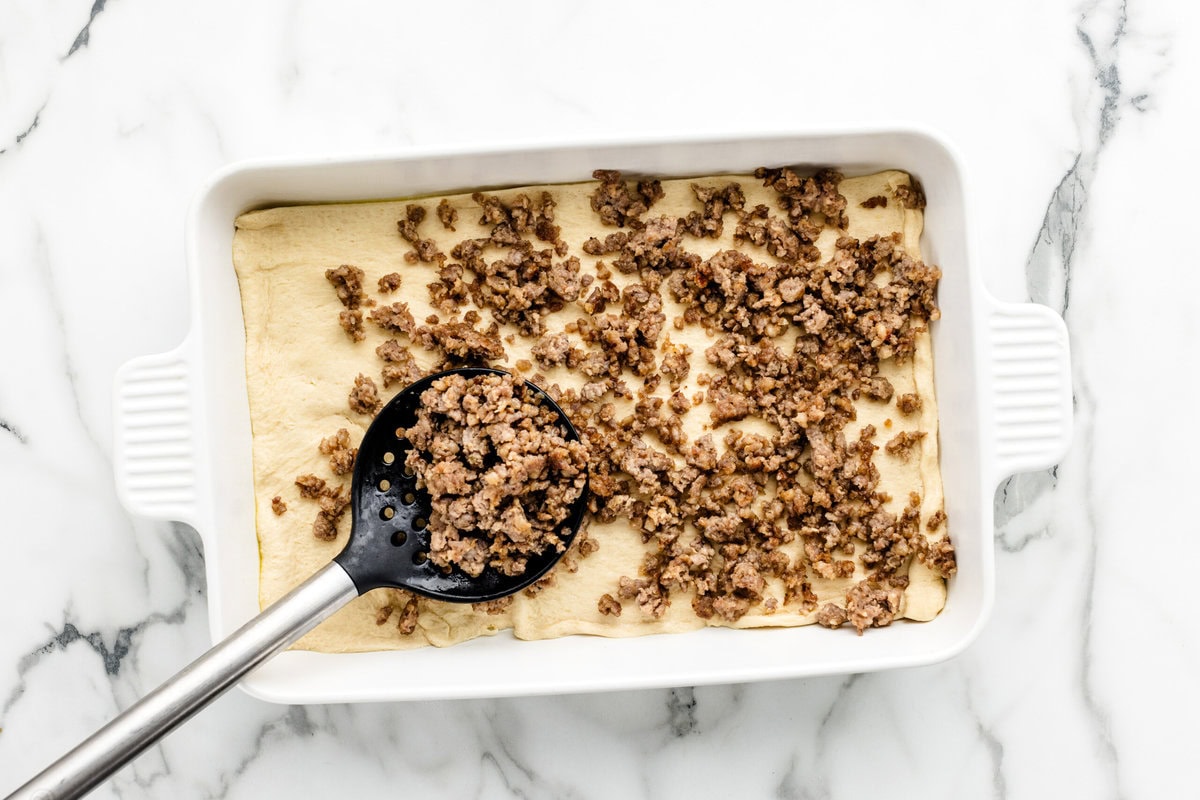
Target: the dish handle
(1032, 405)
(154, 436)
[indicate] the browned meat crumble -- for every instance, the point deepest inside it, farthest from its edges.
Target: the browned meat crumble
(351, 320)
(609, 606)
(759, 227)
(902, 443)
(911, 196)
(617, 203)
(278, 506)
(310, 486)
(364, 397)
(409, 612)
(714, 523)
(908, 404)
(710, 222)
(424, 250)
(395, 318)
(809, 203)
(447, 215)
(399, 366)
(347, 281)
(341, 454)
(461, 342)
(939, 556)
(524, 215)
(333, 502)
(494, 607)
(500, 475)
(878, 201)
(390, 282)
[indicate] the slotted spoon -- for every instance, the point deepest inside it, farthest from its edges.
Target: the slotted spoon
(387, 546)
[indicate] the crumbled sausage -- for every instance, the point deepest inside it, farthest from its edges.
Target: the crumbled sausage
(341, 454)
(710, 221)
(462, 341)
(878, 201)
(679, 403)
(364, 397)
(796, 339)
(552, 350)
(909, 403)
(655, 249)
(910, 196)
(525, 284)
(810, 203)
(347, 281)
(902, 443)
(447, 214)
(494, 607)
(310, 486)
(619, 205)
(939, 555)
(831, 616)
(333, 502)
(522, 215)
(609, 606)
(396, 318)
(409, 612)
(604, 293)
(613, 243)
(390, 282)
(501, 476)
(872, 605)
(424, 250)
(278, 506)
(629, 340)
(399, 365)
(409, 616)
(648, 594)
(878, 388)
(759, 227)
(675, 364)
(351, 320)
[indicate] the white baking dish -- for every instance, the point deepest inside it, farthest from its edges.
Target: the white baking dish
(183, 432)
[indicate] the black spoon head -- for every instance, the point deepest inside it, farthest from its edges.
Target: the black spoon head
(389, 538)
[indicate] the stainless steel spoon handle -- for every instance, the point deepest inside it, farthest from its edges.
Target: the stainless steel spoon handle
(201, 682)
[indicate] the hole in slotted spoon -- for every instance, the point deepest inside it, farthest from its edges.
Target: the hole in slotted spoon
(387, 512)
(399, 538)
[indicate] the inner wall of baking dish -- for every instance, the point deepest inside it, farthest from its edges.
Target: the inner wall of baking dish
(584, 663)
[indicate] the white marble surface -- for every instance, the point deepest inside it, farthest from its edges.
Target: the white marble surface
(1077, 122)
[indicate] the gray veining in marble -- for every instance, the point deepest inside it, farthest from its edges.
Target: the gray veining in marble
(1082, 684)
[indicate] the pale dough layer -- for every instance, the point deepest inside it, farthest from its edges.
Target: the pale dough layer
(300, 366)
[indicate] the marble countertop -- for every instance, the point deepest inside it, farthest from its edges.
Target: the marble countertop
(1073, 119)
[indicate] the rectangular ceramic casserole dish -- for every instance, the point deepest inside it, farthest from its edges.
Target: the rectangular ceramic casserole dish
(182, 442)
